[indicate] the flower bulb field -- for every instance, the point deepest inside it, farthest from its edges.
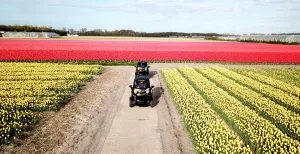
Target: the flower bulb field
(210, 96)
(147, 50)
(49, 103)
(27, 89)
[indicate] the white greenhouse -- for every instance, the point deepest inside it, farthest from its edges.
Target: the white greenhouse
(279, 38)
(30, 35)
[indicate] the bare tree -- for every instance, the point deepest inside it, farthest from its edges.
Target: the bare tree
(71, 31)
(98, 30)
(83, 30)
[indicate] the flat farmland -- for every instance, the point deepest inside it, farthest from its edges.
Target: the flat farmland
(147, 50)
(55, 107)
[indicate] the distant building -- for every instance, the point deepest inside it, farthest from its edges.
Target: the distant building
(178, 36)
(30, 35)
(198, 36)
(232, 38)
(72, 35)
(272, 38)
(1, 33)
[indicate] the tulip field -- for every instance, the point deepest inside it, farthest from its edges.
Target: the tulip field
(28, 89)
(106, 50)
(224, 109)
(237, 110)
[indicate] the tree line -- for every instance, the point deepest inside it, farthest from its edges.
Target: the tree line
(29, 28)
(99, 32)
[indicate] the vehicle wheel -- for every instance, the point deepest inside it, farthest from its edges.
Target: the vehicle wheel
(151, 104)
(131, 103)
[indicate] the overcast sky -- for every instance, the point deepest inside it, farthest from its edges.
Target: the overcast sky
(221, 16)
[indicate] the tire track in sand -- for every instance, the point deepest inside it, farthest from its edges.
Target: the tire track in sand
(134, 130)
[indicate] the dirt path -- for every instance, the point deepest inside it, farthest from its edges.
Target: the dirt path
(98, 119)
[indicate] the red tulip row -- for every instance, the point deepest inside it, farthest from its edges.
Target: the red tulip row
(156, 51)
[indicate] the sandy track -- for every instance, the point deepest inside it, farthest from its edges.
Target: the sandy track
(134, 130)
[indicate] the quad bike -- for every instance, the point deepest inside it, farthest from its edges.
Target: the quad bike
(142, 69)
(141, 95)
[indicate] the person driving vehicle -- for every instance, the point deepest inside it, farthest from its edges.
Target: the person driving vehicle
(141, 85)
(141, 66)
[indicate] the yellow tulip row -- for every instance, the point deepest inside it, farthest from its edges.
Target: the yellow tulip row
(290, 101)
(290, 76)
(37, 88)
(289, 88)
(17, 93)
(46, 67)
(29, 88)
(39, 85)
(12, 123)
(33, 73)
(31, 103)
(48, 70)
(262, 135)
(283, 118)
(210, 133)
(64, 76)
